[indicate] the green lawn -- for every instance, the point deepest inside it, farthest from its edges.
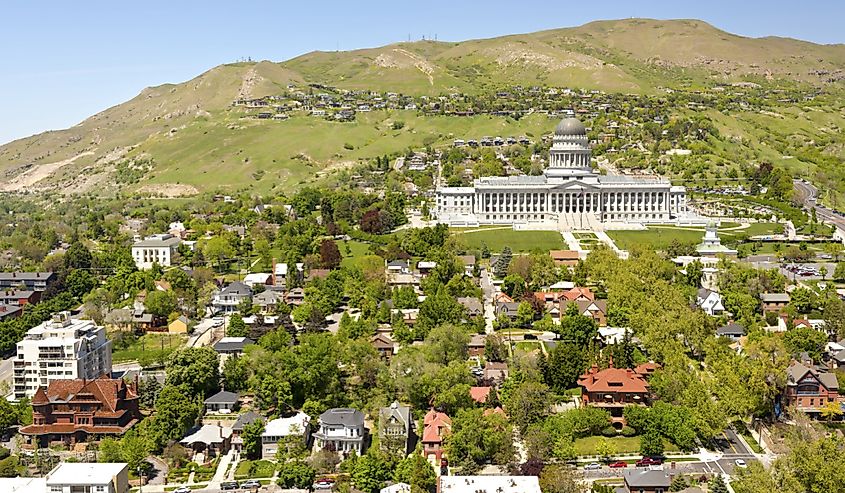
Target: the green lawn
(150, 348)
(254, 469)
(357, 250)
(624, 445)
(659, 237)
(518, 241)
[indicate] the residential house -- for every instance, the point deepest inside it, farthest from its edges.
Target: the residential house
(480, 394)
(74, 410)
(477, 344)
(710, 302)
(8, 312)
(258, 278)
(156, 249)
(280, 274)
(85, 477)
(279, 429)
(179, 325)
(774, 302)
(399, 266)
(243, 420)
(613, 389)
(473, 306)
(565, 258)
(809, 388)
(496, 372)
(596, 310)
(469, 264)
(229, 299)
(639, 480)
(396, 488)
(268, 300)
(579, 293)
(341, 430)
(211, 439)
(28, 281)
(232, 345)
(19, 297)
(59, 349)
(436, 426)
(384, 345)
(489, 484)
(223, 402)
(295, 296)
(394, 429)
(507, 309)
(426, 266)
(732, 331)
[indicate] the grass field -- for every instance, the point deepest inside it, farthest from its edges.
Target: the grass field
(518, 241)
(624, 445)
(660, 237)
(150, 348)
(254, 469)
(357, 250)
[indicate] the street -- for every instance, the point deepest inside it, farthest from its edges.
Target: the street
(808, 194)
(6, 371)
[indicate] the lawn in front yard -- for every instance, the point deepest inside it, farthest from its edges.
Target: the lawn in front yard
(624, 445)
(357, 250)
(150, 348)
(254, 469)
(518, 241)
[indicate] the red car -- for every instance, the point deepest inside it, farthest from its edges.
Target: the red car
(648, 461)
(618, 464)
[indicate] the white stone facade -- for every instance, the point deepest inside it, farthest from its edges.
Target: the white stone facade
(60, 349)
(156, 249)
(568, 193)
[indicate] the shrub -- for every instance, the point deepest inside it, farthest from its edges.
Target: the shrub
(609, 431)
(628, 431)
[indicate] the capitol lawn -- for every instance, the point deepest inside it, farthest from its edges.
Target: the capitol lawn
(518, 241)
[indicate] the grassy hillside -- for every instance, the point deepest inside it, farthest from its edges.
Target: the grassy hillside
(189, 137)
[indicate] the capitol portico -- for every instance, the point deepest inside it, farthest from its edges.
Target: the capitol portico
(568, 195)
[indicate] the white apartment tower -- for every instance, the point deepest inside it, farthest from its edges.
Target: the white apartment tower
(59, 349)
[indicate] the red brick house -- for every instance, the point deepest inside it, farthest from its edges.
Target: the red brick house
(436, 426)
(613, 389)
(70, 411)
(809, 389)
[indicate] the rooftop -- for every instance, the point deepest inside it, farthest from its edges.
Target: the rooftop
(282, 427)
(489, 484)
(79, 473)
(343, 416)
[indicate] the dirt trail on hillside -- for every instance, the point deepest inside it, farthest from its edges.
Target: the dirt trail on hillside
(37, 173)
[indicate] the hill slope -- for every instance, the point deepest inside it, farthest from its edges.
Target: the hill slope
(183, 137)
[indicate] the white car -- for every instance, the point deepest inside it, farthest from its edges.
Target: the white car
(740, 463)
(182, 489)
(592, 466)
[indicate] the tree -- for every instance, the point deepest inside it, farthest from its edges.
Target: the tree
(234, 374)
(576, 328)
(218, 250)
(161, 303)
(329, 255)
(134, 451)
(565, 364)
(370, 471)
(79, 282)
(109, 450)
(513, 285)
(717, 485)
(560, 478)
(237, 327)
(495, 349)
(528, 403)
(148, 389)
(196, 368)
(605, 448)
(800, 339)
(679, 483)
(831, 410)
(445, 344)
(500, 267)
(296, 474)
(252, 439)
(175, 414)
(77, 256)
(476, 439)
(839, 271)
(651, 443)
(802, 300)
(416, 471)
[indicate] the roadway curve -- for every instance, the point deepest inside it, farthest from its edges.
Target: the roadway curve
(807, 195)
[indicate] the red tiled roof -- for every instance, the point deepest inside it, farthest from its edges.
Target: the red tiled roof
(646, 368)
(432, 422)
(68, 428)
(613, 380)
(479, 394)
(103, 390)
(498, 410)
(578, 292)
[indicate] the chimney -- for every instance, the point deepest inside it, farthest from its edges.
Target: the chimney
(273, 272)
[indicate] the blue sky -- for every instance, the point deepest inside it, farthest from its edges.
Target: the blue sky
(63, 61)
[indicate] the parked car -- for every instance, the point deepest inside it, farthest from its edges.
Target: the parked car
(182, 489)
(592, 466)
(252, 483)
(740, 463)
(324, 484)
(618, 464)
(649, 461)
(230, 485)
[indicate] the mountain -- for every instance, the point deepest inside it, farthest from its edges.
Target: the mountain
(177, 139)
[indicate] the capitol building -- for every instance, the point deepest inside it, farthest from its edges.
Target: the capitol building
(569, 195)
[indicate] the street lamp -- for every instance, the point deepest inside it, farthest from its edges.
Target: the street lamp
(140, 480)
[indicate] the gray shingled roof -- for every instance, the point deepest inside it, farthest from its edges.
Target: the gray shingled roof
(343, 416)
(223, 397)
(732, 328)
(402, 413)
(245, 419)
(25, 276)
(639, 478)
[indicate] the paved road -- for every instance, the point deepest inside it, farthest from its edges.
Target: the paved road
(6, 371)
(487, 295)
(808, 194)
